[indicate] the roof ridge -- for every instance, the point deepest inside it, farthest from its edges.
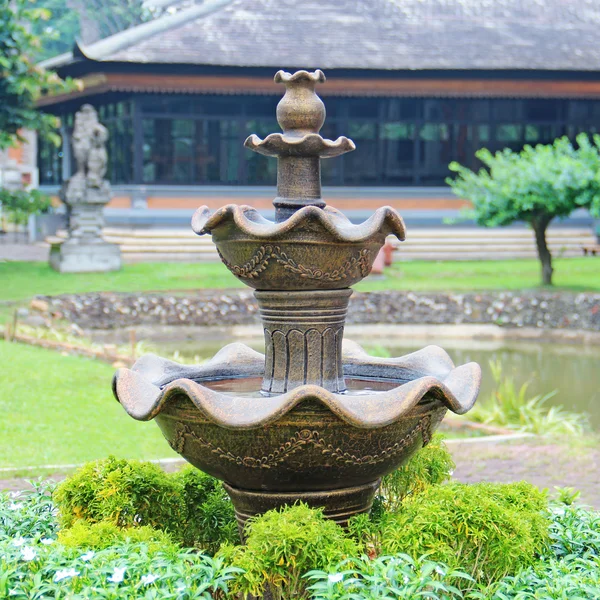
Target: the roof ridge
(118, 41)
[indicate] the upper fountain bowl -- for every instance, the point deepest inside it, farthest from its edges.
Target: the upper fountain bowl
(314, 249)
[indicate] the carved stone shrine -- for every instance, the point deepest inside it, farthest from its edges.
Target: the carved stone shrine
(85, 194)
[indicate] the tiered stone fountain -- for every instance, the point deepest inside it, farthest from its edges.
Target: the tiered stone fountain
(314, 419)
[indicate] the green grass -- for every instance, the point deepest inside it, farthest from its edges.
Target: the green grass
(21, 280)
(571, 274)
(58, 409)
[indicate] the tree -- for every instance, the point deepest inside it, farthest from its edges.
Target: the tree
(88, 20)
(22, 82)
(535, 185)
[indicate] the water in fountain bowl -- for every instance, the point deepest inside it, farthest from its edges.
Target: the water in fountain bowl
(250, 387)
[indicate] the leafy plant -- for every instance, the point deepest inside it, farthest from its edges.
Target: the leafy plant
(535, 185)
(126, 493)
(386, 577)
(210, 517)
(486, 530)
(571, 568)
(22, 82)
(432, 465)
(513, 408)
(28, 514)
(97, 536)
(283, 545)
(127, 571)
(191, 506)
(18, 205)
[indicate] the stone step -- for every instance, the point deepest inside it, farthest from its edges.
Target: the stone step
(179, 244)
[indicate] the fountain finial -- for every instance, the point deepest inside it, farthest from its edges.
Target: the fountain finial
(300, 111)
(300, 114)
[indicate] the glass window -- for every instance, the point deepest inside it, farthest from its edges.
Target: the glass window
(397, 142)
(50, 159)
(259, 169)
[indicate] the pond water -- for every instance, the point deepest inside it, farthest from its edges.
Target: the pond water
(572, 370)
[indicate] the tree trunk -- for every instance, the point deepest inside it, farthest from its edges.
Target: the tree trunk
(540, 225)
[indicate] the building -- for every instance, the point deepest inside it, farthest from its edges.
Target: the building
(415, 83)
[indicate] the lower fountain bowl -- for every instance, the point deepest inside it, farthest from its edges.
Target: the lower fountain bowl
(309, 454)
(326, 449)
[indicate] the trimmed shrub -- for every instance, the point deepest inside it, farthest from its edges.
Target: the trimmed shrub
(210, 517)
(97, 536)
(486, 530)
(191, 506)
(281, 547)
(432, 465)
(127, 493)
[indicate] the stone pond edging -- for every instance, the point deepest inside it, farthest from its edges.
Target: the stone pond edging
(540, 310)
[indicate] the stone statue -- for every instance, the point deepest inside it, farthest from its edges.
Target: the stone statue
(85, 194)
(89, 146)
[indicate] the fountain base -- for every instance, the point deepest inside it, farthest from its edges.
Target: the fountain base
(339, 505)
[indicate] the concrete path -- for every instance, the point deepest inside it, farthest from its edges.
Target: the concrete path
(24, 252)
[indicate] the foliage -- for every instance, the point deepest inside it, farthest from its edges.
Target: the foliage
(21, 81)
(101, 19)
(28, 514)
(570, 570)
(18, 205)
(283, 545)
(534, 185)
(210, 519)
(127, 571)
(126, 493)
(512, 408)
(487, 530)
(190, 506)
(432, 465)
(101, 535)
(35, 564)
(386, 577)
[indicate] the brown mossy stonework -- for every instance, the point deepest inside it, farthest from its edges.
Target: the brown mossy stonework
(209, 308)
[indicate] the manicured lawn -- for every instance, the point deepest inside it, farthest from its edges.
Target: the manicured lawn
(574, 274)
(21, 280)
(58, 409)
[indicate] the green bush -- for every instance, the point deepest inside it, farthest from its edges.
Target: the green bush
(98, 536)
(282, 546)
(210, 517)
(486, 530)
(430, 466)
(19, 205)
(126, 493)
(191, 506)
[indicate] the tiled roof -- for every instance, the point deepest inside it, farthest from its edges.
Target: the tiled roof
(369, 34)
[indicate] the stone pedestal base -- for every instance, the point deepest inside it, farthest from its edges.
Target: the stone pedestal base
(338, 505)
(82, 257)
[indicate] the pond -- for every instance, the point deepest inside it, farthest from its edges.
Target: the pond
(572, 370)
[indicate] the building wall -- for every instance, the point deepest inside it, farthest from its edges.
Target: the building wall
(18, 164)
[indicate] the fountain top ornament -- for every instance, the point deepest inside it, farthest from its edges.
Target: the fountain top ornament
(310, 246)
(316, 418)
